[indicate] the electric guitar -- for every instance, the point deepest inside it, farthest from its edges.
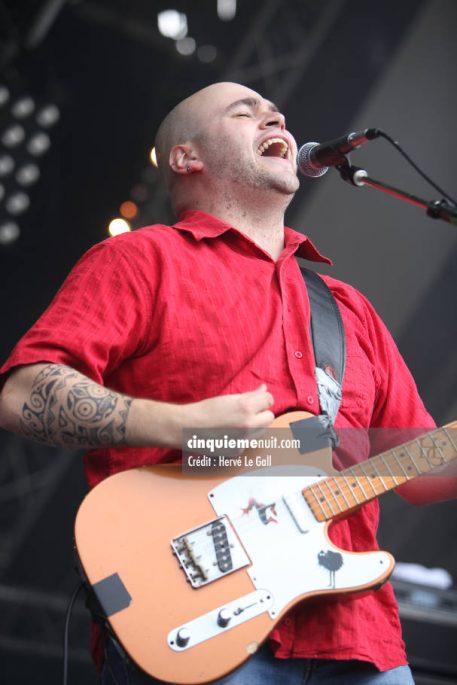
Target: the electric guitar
(194, 572)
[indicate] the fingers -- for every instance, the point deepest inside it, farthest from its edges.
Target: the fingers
(261, 420)
(253, 409)
(258, 400)
(244, 410)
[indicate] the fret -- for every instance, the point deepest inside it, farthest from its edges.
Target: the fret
(346, 501)
(451, 440)
(368, 478)
(358, 482)
(363, 481)
(351, 490)
(446, 445)
(428, 453)
(386, 463)
(437, 444)
(412, 460)
(398, 460)
(311, 491)
(325, 498)
(330, 482)
(385, 487)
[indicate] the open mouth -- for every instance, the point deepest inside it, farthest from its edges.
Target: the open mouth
(273, 147)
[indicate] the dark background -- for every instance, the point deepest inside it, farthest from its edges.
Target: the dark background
(332, 66)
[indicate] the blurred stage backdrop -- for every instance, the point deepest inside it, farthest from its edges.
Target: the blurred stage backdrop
(83, 87)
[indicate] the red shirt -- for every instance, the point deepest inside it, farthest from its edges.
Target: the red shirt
(196, 310)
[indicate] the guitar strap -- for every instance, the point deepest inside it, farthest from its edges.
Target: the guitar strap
(329, 344)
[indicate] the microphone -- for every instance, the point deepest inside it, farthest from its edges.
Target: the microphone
(314, 159)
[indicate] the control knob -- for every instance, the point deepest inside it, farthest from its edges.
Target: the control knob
(183, 637)
(224, 617)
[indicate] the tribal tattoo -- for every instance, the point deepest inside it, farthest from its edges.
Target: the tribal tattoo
(66, 408)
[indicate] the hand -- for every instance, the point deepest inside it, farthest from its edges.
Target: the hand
(160, 424)
(247, 410)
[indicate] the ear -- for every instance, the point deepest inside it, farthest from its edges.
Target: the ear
(184, 159)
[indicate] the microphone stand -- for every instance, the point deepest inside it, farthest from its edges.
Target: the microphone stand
(436, 209)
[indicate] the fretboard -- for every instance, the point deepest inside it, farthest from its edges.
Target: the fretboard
(337, 495)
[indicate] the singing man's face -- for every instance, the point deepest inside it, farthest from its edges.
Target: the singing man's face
(243, 140)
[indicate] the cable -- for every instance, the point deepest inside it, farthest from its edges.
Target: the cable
(107, 660)
(397, 145)
(66, 629)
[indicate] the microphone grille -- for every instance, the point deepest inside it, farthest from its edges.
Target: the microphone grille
(305, 163)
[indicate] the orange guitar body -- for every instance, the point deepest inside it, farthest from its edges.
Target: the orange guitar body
(193, 573)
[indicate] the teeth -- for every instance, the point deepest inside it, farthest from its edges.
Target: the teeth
(284, 147)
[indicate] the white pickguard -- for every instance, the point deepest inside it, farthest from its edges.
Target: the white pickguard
(289, 551)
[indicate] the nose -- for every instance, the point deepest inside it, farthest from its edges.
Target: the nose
(275, 119)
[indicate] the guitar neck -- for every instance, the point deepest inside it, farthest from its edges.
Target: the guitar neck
(338, 495)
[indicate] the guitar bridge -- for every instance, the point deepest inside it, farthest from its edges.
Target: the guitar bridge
(209, 552)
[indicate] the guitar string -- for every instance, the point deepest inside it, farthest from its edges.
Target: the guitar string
(243, 526)
(383, 457)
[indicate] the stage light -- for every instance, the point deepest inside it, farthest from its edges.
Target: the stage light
(172, 24)
(153, 157)
(128, 209)
(23, 107)
(17, 203)
(118, 226)
(9, 232)
(226, 9)
(28, 174)
(25, 125)
(207, 53)
(38, 144)
(6, 165)
(4, 95)
(13, 135)
(186, 46)
(48, 116)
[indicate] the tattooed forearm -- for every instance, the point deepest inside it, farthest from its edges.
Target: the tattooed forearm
(66, 408)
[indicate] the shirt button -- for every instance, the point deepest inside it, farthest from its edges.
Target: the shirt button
(310, 399)
(298, 354)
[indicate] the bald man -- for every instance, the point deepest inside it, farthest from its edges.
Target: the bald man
(205, 323)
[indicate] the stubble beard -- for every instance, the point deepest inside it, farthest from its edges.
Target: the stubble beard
(251, 178)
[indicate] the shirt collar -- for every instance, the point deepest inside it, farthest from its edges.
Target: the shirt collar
(202, 225)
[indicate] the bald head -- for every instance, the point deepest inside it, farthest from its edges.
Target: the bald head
(210, 150)
(185, 123)
(179, 126)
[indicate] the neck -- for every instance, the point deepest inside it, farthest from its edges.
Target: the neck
(265, 228)
(264, 225)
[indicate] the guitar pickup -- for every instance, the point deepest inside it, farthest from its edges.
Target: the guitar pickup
(209, 552)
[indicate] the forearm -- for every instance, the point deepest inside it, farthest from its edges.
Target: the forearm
(56, 405)
(429, 489)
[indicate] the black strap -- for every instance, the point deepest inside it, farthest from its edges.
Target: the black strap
(329, 342)
(327, 330)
